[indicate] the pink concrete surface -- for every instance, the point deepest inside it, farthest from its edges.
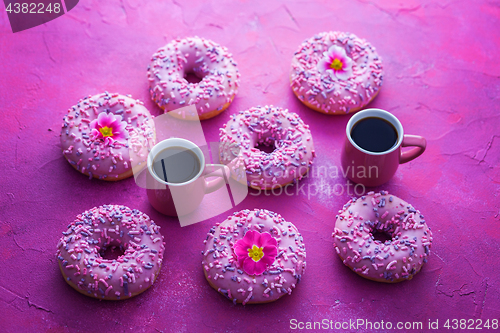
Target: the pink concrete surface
(442, 80)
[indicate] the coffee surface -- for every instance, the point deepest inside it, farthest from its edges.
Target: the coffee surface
(374, 134)
(176, 165)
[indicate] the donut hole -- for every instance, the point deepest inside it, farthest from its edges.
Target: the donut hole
(267, 145)
(112, 252)
(268, 149)
(382, 236)
(192, 77)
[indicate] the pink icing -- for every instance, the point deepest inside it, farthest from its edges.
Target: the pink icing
(224, 272)
(207, 60)
(133, 232)
(396, 259)
(332, 91)
(108, 158)
(271, 126)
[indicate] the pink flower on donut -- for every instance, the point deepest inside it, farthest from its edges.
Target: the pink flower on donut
(336, 62)
(108, 127)
(256, 251)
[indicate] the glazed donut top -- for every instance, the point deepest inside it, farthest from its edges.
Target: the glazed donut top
(271, 126)
(207, 60)
(101, 227)
(222, 264)
(100, 132)
(399, 257)
(349, 85)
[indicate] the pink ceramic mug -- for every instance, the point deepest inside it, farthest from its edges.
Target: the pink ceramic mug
(178, 199)
(376, 168)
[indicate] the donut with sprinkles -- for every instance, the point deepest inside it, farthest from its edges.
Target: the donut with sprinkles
(254, 257)
(336, 73)
(283, 132)
(209, 61)
(105, 135)
(382, 238)
(117, 228)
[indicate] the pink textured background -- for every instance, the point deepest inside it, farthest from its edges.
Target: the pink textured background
(442, 79)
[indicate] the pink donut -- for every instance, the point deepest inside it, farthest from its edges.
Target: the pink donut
(396, 259)
(268, 126)
(208, 61)
(336, 73)
(254, 257)
(132, 232)
(99, 133)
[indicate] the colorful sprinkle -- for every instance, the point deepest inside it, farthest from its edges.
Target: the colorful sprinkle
(99, 229)
(293, 146)
(207, 60)
(277, 279)
(398, 257)
(102, 133)
(336, 72)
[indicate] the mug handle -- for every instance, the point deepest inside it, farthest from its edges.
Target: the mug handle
(412, 141)
(215, 170)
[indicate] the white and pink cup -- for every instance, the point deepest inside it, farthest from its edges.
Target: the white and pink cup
(178, 199)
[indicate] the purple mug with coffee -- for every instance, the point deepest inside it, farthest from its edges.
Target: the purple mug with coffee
(372, 150)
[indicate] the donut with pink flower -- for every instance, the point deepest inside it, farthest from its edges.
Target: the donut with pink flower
(336, 73)
(106, 135)
(254, 257)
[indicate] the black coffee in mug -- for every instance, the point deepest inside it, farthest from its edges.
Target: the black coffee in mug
(176, 165)
(374, 134)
